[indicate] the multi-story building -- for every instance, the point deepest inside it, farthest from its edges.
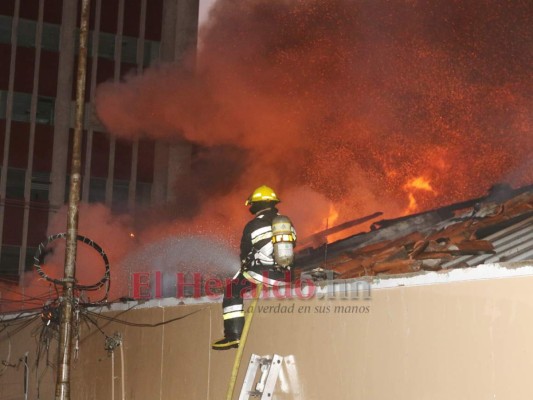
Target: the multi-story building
(38, 63)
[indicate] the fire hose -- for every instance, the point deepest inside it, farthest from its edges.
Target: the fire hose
(240, 349)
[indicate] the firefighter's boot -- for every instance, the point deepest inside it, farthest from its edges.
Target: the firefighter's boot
(232, 334)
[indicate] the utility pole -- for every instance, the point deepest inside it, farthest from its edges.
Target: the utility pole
(67, 302)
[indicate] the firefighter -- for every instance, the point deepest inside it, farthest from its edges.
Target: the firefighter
(263, 260)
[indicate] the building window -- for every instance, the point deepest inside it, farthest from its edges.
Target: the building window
(97, 190)
(50, 41)
(9, 265)
(106, 45)
(26, 33)
(15, 183)
(50, 37)
(22, 108)
(5, 29)
(30, 253)
(120, 195)
(144, 193)
(40, 186)
(151, 52)
(16, 179)
(45, 110)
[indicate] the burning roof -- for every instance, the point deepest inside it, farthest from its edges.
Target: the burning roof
(494, 228)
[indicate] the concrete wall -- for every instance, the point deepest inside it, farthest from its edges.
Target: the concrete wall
(467, 338)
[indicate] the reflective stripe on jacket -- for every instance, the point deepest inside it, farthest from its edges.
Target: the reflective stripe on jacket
(256, 242)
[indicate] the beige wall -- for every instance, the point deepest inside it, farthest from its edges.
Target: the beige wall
(460, 340)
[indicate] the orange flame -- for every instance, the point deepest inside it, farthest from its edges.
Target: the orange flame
(419, 183)
(332, 217)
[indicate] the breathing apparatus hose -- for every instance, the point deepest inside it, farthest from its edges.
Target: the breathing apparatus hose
(240, 349)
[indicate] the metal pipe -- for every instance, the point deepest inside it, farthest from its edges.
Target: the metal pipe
(65, 329)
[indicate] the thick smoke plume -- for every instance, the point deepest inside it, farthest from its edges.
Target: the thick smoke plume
(346, 107)
(348, 100)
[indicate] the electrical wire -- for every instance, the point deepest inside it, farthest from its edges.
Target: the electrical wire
(23, 306)
(16, 306)
(46, 334)
(13, 301)
(9, 281)
(120, 313)
(26, 376)
(22, 310)
(26, 311)
(102, 302)
(22, 326)
(25, 323)
(17, 324)
(6, 361)
(46, 294)
(37, 301)
(26, 296)
(95, 324)
(120, 321)
(40, 251)
(23, 315)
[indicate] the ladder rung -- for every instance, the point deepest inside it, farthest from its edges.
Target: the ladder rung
(264, 388)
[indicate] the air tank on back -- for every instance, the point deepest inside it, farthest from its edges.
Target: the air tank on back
(283, 238)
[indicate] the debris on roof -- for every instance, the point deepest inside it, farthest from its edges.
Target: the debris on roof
(491, 229)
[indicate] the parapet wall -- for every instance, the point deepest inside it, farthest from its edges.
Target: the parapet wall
(466, 335)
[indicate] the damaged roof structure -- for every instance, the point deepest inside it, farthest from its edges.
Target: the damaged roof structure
(491, 229)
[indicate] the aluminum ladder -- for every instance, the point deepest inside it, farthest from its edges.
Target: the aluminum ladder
(264, 388)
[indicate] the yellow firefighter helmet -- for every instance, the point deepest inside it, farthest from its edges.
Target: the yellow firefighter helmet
(262, 193)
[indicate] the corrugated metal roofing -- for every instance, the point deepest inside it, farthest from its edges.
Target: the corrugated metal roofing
(495, 228)
(512, 244)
